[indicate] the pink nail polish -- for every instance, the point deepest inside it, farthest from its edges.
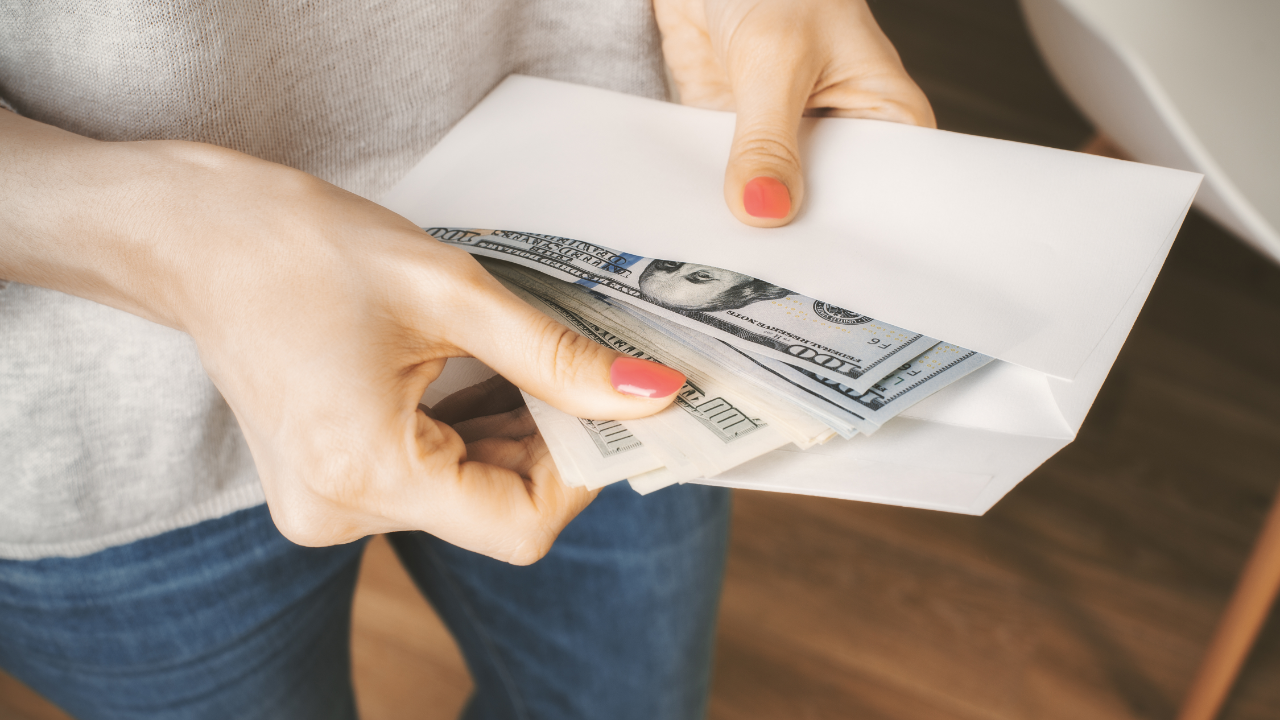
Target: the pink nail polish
(765, 197)
(633, 376)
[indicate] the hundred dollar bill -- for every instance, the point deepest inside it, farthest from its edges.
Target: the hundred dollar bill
(746, 312)
(590, 453)
(747, 368)
(703, 433)
(616, 321)
(924, 375)
(839, 405)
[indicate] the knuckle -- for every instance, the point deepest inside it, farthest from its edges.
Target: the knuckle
(307, 527)
(536, 532)
(904, 111)
(530, 448)
(298, 530)
(317, 501)
(772, 147)
(900, 100)
(446, 265)
(436, 442)
(460, 273)
(921, 113)
(530, 550)
(566, 355)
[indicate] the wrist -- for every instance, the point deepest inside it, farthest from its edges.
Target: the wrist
(170, 207)
(68, 216)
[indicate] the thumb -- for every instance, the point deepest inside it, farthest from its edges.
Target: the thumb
(763, 185)
(559, 366)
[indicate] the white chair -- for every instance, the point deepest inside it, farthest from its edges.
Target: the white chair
(1195, 85)
(1189, 84)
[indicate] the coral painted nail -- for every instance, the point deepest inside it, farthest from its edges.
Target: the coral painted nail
(765, 197)
(633, 376)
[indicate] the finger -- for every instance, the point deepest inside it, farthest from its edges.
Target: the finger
(491, 397)
(514, 424)
(512, 506)
(557, 504)
(518, 455)
(557, 365)
(698, 73)
(772, 78)
(560, 503)
(893, 96)
(867, 78)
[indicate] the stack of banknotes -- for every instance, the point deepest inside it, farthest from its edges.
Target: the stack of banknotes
(766, 367)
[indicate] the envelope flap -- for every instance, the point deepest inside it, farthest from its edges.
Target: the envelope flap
(1017, 251)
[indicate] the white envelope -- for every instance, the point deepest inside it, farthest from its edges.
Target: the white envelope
(1039, 257)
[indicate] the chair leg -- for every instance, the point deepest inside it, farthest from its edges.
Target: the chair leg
(1241, 621)
(1100, 144)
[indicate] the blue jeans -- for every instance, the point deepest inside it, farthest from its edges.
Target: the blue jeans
(227, 619)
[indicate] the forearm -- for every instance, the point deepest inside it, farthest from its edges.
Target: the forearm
(86, 217)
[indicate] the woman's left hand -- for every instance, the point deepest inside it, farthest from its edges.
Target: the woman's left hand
(770, 60)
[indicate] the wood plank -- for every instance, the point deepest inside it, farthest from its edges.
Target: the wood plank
(405, 663)
(19, 702)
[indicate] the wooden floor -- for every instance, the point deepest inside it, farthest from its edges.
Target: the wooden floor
(1088, 593)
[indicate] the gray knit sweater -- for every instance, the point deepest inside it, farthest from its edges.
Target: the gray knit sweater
(109, 429)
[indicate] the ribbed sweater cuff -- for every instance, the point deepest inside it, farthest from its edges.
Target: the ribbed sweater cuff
(235, 499)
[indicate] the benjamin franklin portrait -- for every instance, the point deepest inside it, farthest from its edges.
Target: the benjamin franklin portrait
(685, 287)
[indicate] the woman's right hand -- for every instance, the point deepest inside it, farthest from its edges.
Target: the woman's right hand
(322, 318)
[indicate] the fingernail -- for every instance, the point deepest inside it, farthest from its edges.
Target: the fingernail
(633, 376)
(765, 197)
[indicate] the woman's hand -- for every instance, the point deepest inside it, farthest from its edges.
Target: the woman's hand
(491, 418)
(771, 60)
(322, 318)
